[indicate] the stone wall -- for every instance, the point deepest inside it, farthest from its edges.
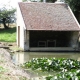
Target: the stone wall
(74, 41)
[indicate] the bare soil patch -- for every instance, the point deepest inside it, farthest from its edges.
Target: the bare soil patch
(10, 71)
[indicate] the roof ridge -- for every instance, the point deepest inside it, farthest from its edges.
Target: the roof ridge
(43, 3)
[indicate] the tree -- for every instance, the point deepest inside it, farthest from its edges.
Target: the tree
(6, 15)
(49, 1)
(24, 0)
(75, 6)
(40, 0)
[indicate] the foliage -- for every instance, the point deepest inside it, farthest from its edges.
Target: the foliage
(6, 16)
(52, 64)
(74, 4)
(29, 0)
(40, 0)
(49, 1)
(68, 69)
(8, 35)
(71, 75)
(24, 0)
(2, 69)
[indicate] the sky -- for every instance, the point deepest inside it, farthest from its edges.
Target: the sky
(9, 3)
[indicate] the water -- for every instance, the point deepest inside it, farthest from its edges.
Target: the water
(21, 57)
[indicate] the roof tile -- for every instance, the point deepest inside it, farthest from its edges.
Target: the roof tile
(48, 16)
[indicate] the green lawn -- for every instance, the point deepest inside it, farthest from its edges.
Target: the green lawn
(8, 35)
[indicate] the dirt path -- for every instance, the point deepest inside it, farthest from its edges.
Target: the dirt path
(9, 71)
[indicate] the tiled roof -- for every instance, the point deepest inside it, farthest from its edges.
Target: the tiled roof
(48, 16)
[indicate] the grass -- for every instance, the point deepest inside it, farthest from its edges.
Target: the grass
(8, 35)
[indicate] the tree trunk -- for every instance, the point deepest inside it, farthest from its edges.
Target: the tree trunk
(4, 23)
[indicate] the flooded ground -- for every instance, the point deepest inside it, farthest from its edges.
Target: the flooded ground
(21, 57)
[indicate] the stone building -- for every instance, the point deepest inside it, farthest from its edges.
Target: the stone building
(46, 27)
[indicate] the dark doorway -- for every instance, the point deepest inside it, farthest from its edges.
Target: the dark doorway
(50, 38)
(51, 43)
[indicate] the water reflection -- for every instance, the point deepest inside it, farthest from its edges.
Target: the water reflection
(20, 58)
